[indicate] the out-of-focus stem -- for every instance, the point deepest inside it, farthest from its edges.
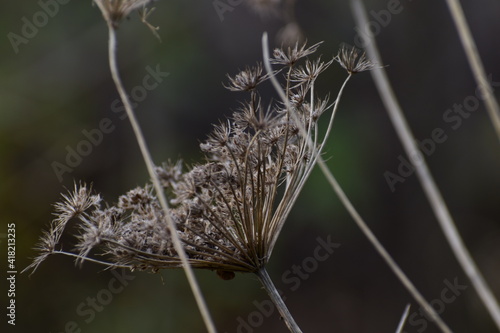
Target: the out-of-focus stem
(479, 73)
(403, 319)
(349, 206)
(423, 173)
(156, 182)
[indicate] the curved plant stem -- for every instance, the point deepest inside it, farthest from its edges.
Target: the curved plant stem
(158, 188)
(380, 248)
(350, 208)
(403, 319)
(277, 300)
(477, 68)
(424, 175)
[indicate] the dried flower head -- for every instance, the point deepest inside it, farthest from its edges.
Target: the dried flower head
(288, 56)
(247, 80)
(229, 210)
(310, 71)
(353, 61)
(115, 10)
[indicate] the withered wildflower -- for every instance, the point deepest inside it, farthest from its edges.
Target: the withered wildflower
(288, 56)
(246, 80)
(353, 60)
(310, 71)
(228, 210)
(114, 11)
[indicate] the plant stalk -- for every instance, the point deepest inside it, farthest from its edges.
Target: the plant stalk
(478, 71)
(403, 319)
(424, 175)
(277, 300)
(410, 287)
(156, 182)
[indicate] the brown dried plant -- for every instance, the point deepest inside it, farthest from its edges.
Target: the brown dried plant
(230, 209)
(227, 211)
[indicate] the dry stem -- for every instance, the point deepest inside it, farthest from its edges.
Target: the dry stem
(403, 319)
(158, 188)
(479, 74)
(277, 300)
(352, 211)
(424, 175)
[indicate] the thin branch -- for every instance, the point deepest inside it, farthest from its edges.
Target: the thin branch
(156, 182)
(95, 261)
(277, 300)
(424, 175)
(477, 68)
(381, 250)
(352, 211)
(403, 319)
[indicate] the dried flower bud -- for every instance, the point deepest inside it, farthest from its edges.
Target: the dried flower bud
(353, 61)
(290, 55)
(310, 71)
(115, 10)
(246, 80)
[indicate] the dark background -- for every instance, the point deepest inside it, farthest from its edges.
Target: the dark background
(58, 85)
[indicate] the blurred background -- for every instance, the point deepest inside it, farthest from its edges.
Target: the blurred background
(55, 86)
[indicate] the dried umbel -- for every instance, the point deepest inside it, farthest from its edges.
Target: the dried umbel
(114, 11)
(229, 210)
(354, 61)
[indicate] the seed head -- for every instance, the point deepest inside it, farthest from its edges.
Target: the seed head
(353, 61)
(228, 210)
(290, 55)
(247, 79)
(310, 71)
(115, 10)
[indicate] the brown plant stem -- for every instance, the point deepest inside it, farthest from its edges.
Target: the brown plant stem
(410, 287)
(277, 300)
(156, 182)
(480, 75)
(424, 175)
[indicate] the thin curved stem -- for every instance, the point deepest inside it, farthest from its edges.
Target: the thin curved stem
(156, 182)
(403, 319)
(477, 68)
(350, 208)
(95, 261)
(277, 300)
(380, 248)
(424, 175)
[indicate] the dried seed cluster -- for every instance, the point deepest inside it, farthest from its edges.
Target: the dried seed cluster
(114, 11)
(228, 210)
